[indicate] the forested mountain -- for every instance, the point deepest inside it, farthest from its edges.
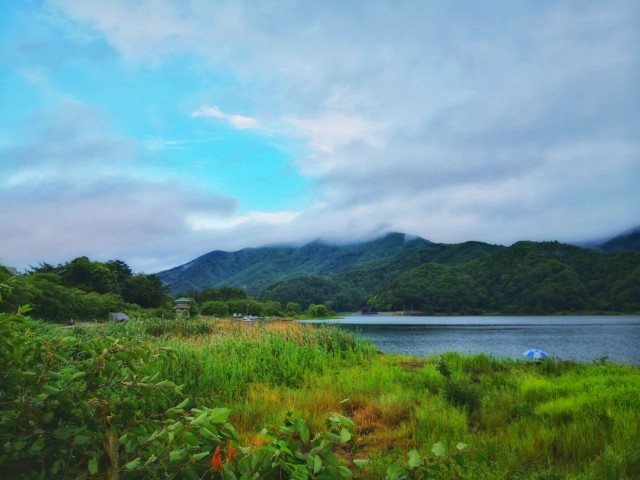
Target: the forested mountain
(398, 272)
(393, 273)
(627, 242)
(526, 278)
(350, 288)
(254, 269)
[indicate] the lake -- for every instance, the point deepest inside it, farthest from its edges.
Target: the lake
(582, 338)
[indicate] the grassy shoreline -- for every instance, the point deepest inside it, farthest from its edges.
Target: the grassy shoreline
(521, 420)
(548, 416)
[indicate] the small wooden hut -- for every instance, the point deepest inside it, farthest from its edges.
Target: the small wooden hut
(182, 307)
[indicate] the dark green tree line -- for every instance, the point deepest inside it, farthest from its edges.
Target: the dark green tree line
(83, 290)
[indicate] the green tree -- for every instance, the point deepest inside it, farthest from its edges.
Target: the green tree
(94, 306)
(218, 308)
(49, 300)
(318, 311)
(121, 272)
(271, 308)
(247, 306)
(147, 291)
(44, 267)
(89, 276)
(293, 309)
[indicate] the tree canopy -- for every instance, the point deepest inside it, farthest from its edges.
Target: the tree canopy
(82, 290)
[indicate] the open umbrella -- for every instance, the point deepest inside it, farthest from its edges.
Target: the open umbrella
(535, 353)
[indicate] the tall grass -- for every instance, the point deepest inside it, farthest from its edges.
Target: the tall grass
(523, 421)
(235, 356)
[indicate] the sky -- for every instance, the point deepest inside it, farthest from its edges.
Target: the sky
(154, 131)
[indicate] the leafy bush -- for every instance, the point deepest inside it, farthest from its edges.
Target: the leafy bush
(74, 408)
(91, 408)
(318, 311)
(438, 464)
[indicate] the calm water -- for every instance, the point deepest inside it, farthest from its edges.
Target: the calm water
(584, 338)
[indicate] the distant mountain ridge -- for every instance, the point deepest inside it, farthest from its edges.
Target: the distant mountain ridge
(398, 272)
(254, 269)
(625, 242)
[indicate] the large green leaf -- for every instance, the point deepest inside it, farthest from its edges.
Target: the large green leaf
(439, 450)
(219, 415)
(415, 459)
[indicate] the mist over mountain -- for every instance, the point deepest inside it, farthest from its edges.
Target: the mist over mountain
(254, 269)
(625, 242)
(403, 272)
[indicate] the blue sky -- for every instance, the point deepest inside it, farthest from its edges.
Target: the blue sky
(156, 131)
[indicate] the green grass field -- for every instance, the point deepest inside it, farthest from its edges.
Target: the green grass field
(520, 420)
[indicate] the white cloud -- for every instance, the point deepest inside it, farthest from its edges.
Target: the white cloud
(204, 222)
(451, 120)
(238, 121)
(71, 189)
(136, 29)
(117, 217)
(332, 130)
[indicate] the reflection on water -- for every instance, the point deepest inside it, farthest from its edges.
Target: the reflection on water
(584, 338)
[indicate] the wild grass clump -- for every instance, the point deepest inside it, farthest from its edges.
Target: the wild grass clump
(236, 356)
(143, 328)
(181, 326)
(522, 420)
(463, 394)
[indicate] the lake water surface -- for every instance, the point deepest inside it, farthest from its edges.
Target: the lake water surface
(582, 338)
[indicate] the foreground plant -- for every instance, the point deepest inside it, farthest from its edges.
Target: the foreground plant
(422, 467)
(291, 452)
(78, 409)
(93, 408)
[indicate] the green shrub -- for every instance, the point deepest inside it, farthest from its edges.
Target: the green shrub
(463, 394)
(93, 407)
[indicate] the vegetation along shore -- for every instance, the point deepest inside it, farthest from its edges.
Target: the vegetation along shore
(203, 398)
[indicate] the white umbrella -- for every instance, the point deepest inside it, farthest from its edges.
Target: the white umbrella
(535, 353)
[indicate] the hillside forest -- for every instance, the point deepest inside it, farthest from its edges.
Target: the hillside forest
(393, 274)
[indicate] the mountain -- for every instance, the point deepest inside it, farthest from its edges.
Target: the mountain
(626, 242)
(399, 272)
(525, 278)
(349, 289)
(254, 269)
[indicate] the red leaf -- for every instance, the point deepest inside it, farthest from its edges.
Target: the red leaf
(232, 455)
(216, 461)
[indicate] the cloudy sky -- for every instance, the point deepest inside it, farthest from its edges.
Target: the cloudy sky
(154, 131)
